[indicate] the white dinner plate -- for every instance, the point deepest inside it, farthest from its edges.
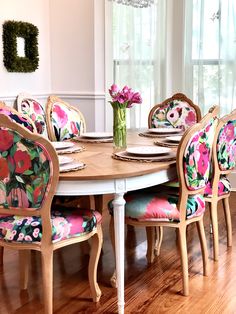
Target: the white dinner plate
(97, 134)
(165, 130)
(62, 145)
(64, 160)
(174, 138)
(75, 165)
(148, 150)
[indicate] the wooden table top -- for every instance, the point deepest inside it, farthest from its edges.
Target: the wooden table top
(101, 165)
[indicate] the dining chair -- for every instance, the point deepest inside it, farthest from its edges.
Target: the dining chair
(218, 187)
(177, 111)
(64, 120)
(145, 208)
(18, 117)
(29, 172)
(30, 106)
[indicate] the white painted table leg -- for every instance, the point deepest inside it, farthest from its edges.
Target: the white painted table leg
(118, 209)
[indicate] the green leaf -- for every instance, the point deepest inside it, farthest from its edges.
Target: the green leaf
(29, 195)
(36, 168)
(36, 182)
(33, 154)
(4, 154)
(28, 172)
(29, 189)
(2, 186)
(19, 179)
(17, 138)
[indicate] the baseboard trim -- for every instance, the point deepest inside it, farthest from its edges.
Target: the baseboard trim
(80, 95)
(61, 94)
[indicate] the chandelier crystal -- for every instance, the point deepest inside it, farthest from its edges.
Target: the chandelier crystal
(136, 3)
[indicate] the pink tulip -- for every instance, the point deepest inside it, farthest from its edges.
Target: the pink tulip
(136, 99)
(113, 90)
(126, 97)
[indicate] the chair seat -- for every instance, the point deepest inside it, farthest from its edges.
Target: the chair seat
(159, 207)
(66, 223)
(223, 187)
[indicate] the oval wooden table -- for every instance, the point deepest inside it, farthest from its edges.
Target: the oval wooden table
(105, 175)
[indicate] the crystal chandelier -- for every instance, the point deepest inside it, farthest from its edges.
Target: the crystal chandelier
(136, 3)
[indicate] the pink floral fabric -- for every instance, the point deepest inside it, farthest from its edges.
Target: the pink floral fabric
(226, 146)
(35, 111)
(197, 157)
(66, 122)
(176, 113)
(160, 207)
(65, 224)
(25, 170)
(17, 117)
(223, 187)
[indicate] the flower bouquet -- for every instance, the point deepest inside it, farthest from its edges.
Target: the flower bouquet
(121, 99)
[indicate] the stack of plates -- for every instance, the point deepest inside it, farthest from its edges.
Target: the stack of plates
(95, 137)
(151, 153)
(62, 145)
(66, 147)
(64, 160)
(165, 131)
(67, 164)
(174, 139)
(162, 132)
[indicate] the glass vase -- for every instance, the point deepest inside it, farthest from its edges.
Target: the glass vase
(119, 128)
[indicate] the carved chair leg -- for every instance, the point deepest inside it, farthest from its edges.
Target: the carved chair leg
(203, 243)
(47, 269)
(228, 221)
(96, 246)
(24, 260)
(214, 221)
(184, 260)
(159, 232)
(150, 231)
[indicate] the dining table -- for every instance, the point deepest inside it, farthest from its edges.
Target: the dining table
(104, 174)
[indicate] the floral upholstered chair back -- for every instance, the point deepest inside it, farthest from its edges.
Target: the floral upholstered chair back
(226, 142)
(32, 108)
(17, 117)
(64, 121)
(194, 158)
(27, 174)
(224, 156)
(177, 111)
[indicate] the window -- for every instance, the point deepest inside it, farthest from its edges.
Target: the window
(213, 47)
(134, 35)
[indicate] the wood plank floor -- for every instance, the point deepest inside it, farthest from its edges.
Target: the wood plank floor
(148, 289)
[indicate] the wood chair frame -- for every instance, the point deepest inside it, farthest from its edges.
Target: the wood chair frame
(20, 114)
(51, 100)
(215, 198)
(24, 96)
(46, 247)
(180, 226)
(178, 96)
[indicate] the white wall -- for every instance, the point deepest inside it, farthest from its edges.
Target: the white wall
(38, 82)
(71, 54)
(77, 51)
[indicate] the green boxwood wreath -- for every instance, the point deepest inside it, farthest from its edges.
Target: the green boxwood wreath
(28, 31)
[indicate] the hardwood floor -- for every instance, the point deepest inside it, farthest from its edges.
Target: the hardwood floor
(148, 289)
